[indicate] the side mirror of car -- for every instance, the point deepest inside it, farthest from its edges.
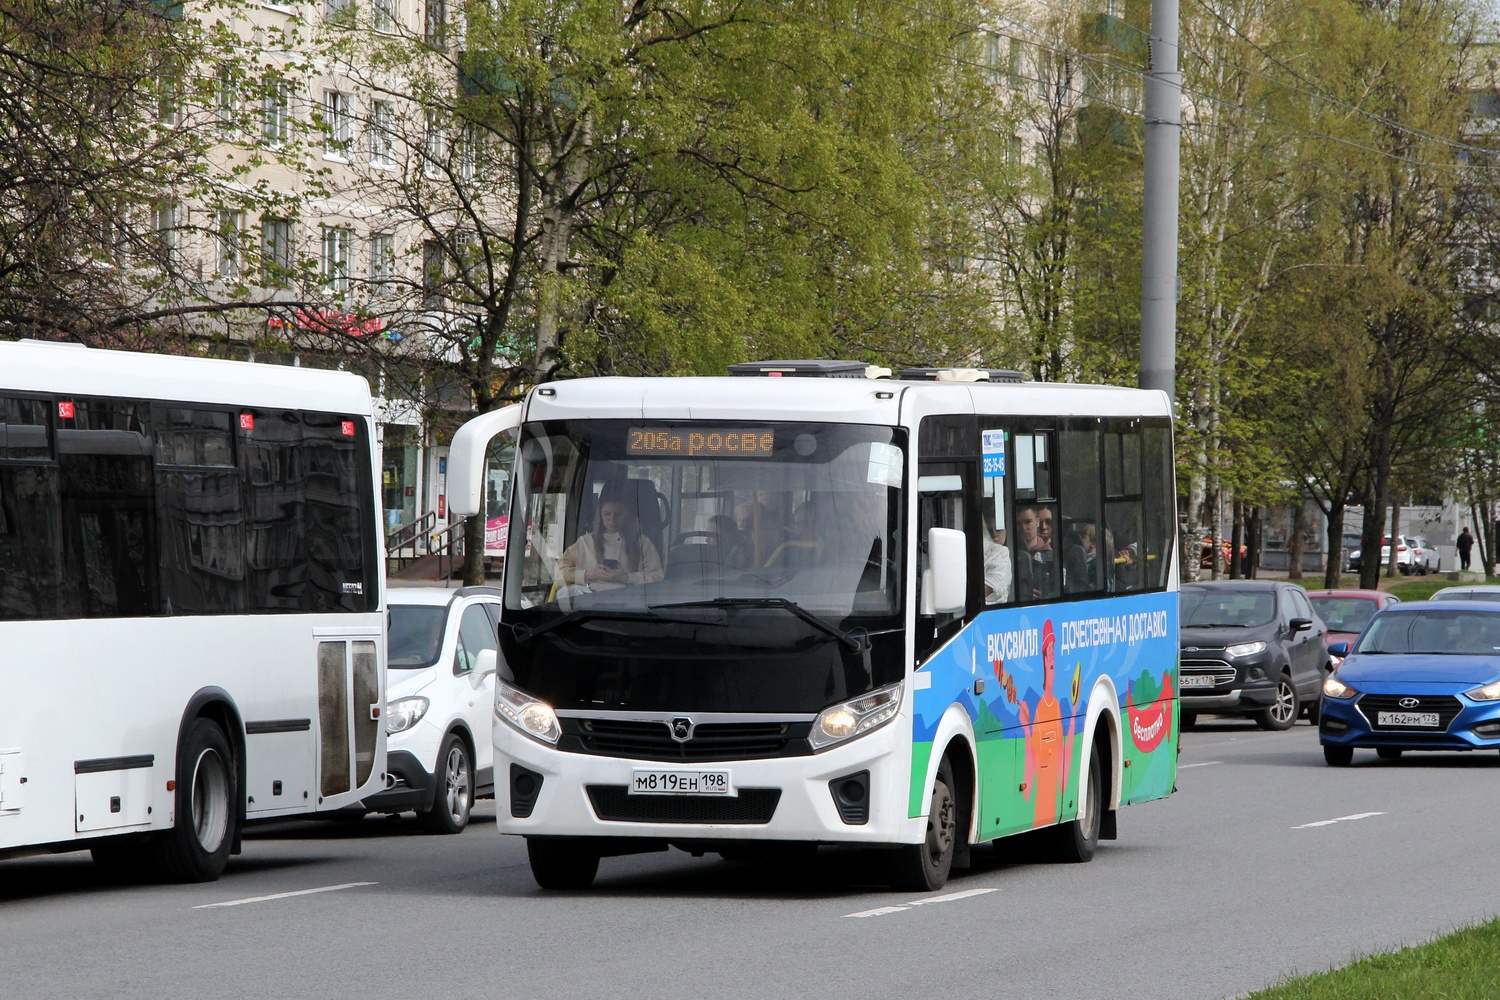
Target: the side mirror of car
(1340, 649)
(1299, 625)
(484, 664)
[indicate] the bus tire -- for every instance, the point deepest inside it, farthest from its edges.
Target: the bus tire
(453, 789)
(1074, 842)
(559, 863)
(197, 847)
(924, 867)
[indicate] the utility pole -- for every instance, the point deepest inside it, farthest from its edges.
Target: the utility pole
(1159, 244)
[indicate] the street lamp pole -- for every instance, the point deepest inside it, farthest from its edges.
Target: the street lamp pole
(1163, 126)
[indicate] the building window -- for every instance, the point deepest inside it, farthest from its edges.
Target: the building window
(227, 243)
(226, 98)
(383, 16)
(382, 261)
(166, 222)
(277, 112)
(468, 152)
(341, 11)
(336, 124)
(169, 102)
(382, 134)
(435, 23)
(276, 251)
(336, 259)
(432, 274)
(434, 148)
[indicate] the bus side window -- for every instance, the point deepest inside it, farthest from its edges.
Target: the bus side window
(1080, 544)
(1037, 573)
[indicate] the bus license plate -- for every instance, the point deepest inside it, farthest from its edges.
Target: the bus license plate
(1197, 680)
(1420, 720)
(654, 782)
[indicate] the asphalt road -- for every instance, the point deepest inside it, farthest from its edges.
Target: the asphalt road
(1239, 879)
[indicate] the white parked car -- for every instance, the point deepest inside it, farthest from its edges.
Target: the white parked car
(440, 691)
(1413, 555)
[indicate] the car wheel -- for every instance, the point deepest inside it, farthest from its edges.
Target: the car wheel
(1282, 713)
(1338, 756)
(561, 864)
(1075, 842)
(1313, 711)
(1388, 753)
(454, 795)
(196, 848)
(924, 867)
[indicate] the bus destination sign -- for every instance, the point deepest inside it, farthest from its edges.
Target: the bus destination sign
(723, 442)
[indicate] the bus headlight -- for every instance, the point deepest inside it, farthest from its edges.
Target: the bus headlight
(403, 713)
(855, 717)
(532, 717)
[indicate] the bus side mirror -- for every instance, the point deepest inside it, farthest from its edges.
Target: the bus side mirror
(945, 582)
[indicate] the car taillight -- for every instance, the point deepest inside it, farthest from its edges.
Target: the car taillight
(1401, 548)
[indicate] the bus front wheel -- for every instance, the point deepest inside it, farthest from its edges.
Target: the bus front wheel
(924, 867)
(196, 848)
(561, 863)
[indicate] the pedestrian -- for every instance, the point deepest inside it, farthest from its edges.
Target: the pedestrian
(1465, 546)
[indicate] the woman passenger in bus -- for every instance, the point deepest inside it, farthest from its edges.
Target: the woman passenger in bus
(614, 554)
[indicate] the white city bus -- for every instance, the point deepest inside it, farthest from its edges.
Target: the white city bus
(192, 622)
(763, 613)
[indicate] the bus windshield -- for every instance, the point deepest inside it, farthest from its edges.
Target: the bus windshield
(749, 536)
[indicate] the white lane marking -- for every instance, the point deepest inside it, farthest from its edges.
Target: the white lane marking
(284, 895)
(1183, 767)
(1337, 819)
(950, 897)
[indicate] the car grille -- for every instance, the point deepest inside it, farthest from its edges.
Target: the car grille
(750, 806)
(652, 740)
(1446, 706)
(1219, 670)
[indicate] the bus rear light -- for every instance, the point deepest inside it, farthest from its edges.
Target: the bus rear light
(171, 785)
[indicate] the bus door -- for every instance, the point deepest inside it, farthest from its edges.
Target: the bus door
(349, 709)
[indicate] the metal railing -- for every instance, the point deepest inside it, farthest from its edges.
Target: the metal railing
(421, 537)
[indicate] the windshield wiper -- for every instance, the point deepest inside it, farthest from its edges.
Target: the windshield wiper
(525, 633)
(857, 641)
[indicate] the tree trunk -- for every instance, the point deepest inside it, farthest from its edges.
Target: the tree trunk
(1255, 526)
(474, 550)
(1236, 539)
(1294, 543)
(1334, 567)
(1395, 532)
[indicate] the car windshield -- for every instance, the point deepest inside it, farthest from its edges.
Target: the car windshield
(1442, 631)
(414, 635)
(1345, 614)
(1216, 607)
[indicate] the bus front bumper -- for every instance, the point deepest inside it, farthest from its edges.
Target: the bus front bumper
(541, 791)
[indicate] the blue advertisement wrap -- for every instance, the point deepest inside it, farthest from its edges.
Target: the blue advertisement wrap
(1026, 677)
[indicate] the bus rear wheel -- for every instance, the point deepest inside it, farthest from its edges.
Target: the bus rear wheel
(196, 848)
(924, 867)
(559, 863)
(1074, 842)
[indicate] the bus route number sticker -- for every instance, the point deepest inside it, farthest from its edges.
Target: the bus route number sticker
(662, 782)
(992, 453)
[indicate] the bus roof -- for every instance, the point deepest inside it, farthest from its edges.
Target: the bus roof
(36, 366)
(839, 400)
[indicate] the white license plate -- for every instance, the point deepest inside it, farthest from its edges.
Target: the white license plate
(674, 782)
(1419, 720)
(1197, 680)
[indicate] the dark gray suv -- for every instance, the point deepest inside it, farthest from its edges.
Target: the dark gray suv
(1250, 647)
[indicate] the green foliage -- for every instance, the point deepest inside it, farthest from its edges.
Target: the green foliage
(1464, 965)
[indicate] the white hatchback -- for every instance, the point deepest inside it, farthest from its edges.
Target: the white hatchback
(440, 690)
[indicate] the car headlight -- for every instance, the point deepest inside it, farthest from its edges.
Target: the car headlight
(532, 717)
(403, 713)
(1244, 649)
(1490, 692)
(1337, 689)
(855, 717)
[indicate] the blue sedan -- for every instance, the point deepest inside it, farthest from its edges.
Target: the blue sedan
(1421, 676)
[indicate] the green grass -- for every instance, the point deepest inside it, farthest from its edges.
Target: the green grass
(1423, 588)
(1458, 966)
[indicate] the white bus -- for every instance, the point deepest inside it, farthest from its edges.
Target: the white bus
(192, 623)
(764, 613)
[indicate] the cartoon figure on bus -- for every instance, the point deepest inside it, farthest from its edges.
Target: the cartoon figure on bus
(1049, 752)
